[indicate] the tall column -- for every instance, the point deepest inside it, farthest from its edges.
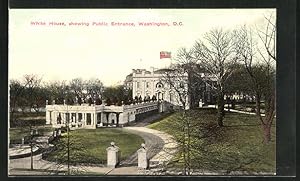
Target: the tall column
(102, 117)
(48, 121)
(95, 117)
(133, 89)
(83, 119)
(144, 89)
(54, 117)
(153, 88)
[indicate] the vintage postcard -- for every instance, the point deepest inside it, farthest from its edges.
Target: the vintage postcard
(96, 92)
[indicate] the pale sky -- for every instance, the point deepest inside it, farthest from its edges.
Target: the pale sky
(108, 53)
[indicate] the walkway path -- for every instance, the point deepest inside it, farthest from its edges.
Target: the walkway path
(238, 111)
(160, 149)
(242, 112)
(154, 144)
(169, 147)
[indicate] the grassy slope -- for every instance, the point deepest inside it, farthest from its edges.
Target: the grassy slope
(239, 147)
(96, 141)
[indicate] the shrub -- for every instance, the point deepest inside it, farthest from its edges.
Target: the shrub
(23, 123)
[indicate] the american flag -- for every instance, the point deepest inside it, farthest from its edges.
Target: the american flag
(165, 54)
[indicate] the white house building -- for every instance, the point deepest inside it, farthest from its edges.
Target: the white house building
(143, 83)
(151, 83)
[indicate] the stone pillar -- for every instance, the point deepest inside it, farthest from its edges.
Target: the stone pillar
(142, 157)
(54, 117)
(48, 121)
(95, 119)
(102, 118)
(83, 119)
(23, 141)
(112, 155)
(54, 134)
(76, 120)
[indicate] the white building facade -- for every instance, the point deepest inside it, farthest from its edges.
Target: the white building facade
(151, 83)
(93, 116)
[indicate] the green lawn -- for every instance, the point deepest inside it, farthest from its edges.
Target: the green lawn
(19, 132)
(89, 146)
(235, 147)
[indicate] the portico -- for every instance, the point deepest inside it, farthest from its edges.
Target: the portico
(92, 116)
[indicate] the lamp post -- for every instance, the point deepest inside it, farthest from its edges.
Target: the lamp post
(31, 148)
(68, 136)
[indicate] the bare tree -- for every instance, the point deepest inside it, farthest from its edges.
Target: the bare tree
(216, 55)
(176, 78)
(16, 99)
(77, 87)
(183, 80)
(188, 63)
(59, 90)
(94, 88)
(261, 69)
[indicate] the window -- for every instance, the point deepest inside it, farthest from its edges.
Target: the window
(147, 84)
(88, 119)
(159, 85)
(138, 85)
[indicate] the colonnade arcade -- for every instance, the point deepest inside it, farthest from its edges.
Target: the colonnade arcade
(83, 119)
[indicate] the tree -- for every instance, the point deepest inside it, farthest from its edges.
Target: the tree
(176, 78)
(94, 88)
(216, 55)
(185, 60)
(239, 82)
(16, 99)
(59, 91)
(261, 69)
(77, 87)
(66, 151)
(117, 94)
(26, 95)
